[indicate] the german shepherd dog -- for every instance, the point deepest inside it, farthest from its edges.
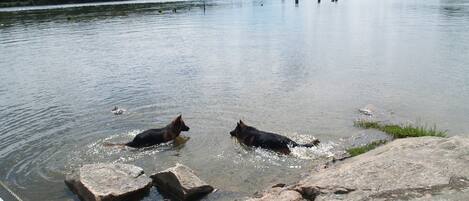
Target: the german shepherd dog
(252, 137)
(157, 136)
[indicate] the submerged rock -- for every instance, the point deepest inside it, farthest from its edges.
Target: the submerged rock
(410, 168)
(366, 111)
(369, 110)
(117, 111)
(109, 182)
(181, 183)
(379, 114)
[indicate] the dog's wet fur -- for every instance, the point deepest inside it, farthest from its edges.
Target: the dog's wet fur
(252, 137)
(157, 136)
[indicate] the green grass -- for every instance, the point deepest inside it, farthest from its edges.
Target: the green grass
(367, 124)
(355, 151)
(396, 131)
(404, 131)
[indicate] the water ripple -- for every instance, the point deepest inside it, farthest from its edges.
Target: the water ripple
(299, 71)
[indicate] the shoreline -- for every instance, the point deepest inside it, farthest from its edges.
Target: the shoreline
(408, 168)
(106, 6)
(10, 4)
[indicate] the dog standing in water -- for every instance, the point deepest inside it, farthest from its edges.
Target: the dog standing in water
(252, 137)
(157, 136)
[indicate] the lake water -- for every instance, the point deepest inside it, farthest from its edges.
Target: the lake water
(302, 71)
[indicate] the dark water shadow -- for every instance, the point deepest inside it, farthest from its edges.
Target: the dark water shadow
(91, 13)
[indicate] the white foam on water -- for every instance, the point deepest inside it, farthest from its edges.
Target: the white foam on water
(96, 152)
(132, 133)
(321, 150)
(263, 158)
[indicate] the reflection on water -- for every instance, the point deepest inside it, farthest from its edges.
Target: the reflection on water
(301, 71)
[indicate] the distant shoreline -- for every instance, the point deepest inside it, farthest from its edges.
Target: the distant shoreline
(22, 3)
(160, 6)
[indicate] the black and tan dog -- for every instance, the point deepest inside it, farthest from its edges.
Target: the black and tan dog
(157, 136)
(250, 136)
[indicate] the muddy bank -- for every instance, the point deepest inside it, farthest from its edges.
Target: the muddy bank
(404, 169)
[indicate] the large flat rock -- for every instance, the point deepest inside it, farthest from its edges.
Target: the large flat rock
(181, 183)
(404, 169)
(109, 182)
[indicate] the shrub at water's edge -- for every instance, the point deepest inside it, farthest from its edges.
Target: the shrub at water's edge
(362, 149)
(398, 131)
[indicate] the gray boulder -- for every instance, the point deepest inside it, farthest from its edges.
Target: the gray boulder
(404, 169)
(109, 182)
(181, 183)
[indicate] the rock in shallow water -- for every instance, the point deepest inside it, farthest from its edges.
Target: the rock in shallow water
(366, 111)
(109, 182)
(181, 183)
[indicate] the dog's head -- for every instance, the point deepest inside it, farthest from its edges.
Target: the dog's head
(240, 126)
(179, 125)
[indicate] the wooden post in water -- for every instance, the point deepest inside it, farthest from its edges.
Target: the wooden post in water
(319, 1)
(296, 2)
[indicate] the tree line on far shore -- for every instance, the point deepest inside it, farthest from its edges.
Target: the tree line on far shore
(13, 3)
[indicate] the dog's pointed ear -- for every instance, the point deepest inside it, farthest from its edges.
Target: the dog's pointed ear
(178, 119)
(241, 123)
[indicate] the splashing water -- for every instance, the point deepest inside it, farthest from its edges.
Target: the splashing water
(263, 158)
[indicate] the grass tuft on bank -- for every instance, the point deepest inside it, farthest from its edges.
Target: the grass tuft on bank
(355, 151)
(404, 131)
(396, 131)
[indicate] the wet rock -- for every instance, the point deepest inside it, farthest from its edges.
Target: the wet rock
(372, 113)
(109, 182)
(279, 185)
(369, 110)
(366, 111)
(410, 168)
(279, 194)
(181, 183)
(117, 111)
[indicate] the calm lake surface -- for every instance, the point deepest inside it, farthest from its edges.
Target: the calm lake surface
(302, 71)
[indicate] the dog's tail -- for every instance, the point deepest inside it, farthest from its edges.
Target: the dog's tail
(311, 144)
(108, 144)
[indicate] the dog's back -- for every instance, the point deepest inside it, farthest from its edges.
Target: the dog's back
(149, 137)
(251, 136)
(268, 140)
(156, 136)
